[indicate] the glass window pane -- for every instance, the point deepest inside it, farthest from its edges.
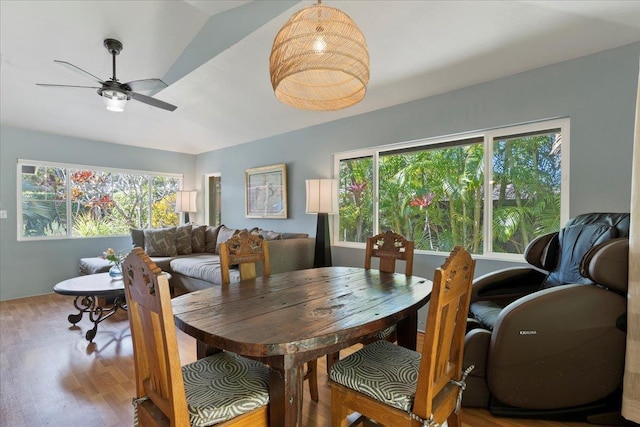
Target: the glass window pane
(44, 206)
(434, 196)
(356, 199)
(163, 201)
(526, 189)
(102, 203)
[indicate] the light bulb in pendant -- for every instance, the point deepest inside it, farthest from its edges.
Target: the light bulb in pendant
(319, 44)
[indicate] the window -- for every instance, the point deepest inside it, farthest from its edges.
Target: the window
(434, 191)
(59, 201)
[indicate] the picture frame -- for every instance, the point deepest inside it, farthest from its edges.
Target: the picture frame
(266, 192)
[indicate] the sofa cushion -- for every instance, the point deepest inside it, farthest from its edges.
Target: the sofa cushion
(266, 234)
(137, 237)
(203, 266)
(183, 239)
(198, 238)
(224, 234)
(160, 242)
(211, 238)
(94, 265)
(286, 236)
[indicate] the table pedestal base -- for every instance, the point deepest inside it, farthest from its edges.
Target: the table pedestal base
(97, 313)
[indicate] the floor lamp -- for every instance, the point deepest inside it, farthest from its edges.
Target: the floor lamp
(186, 202)
(322, 199)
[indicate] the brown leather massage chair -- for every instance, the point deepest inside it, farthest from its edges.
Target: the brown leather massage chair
(548, 340)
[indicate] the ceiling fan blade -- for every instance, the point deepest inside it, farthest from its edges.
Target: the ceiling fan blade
(78, 70)
(152, 101)
(82, 87)
(147, 85)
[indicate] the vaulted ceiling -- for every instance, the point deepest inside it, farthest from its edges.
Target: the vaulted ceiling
(214, 55)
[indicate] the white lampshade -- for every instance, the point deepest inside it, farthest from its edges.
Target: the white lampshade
(186, 201)
(322, 196)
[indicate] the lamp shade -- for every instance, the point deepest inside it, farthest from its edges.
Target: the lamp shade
(322, 196)
(186, 201)
(319, 60)
(114, 100)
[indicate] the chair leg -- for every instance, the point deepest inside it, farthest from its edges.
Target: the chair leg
(339, 412)
(331, 359)
(454, 420)
(312, 376)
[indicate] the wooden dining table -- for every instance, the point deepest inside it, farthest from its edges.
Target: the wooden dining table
(288, 319)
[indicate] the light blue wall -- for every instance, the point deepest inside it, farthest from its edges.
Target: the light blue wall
(32, 268)
(597, 92)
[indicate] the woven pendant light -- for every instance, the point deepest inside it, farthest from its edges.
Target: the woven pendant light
(319, 60)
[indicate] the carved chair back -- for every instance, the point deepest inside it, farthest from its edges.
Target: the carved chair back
(244, 250)
(389, 247)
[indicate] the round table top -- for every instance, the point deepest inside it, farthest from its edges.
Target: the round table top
(100, 284)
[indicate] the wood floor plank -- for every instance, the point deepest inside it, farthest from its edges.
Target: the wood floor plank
(51, 376)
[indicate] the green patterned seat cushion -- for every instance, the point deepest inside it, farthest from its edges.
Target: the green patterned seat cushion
(385, 334)
(383, 371)
(222, 386)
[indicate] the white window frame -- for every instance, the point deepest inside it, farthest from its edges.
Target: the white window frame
(68, 166)
(488, 135)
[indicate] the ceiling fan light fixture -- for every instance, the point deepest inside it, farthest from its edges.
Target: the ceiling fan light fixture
(319, 60)
(114, 100)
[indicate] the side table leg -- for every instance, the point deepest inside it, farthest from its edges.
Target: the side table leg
(84, 304)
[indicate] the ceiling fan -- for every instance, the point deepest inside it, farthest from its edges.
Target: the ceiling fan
(114, 93)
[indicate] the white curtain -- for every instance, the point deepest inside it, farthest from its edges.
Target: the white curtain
(631, 394)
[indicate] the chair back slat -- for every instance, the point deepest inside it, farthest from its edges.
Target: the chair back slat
(157, 361)
(244, 250)
(389, 247)
(444, 336)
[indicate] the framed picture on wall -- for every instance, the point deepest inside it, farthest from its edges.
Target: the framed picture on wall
(266, 192)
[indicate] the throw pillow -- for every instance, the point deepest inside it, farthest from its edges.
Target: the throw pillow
(160, 242)
(198, 238)
(210, 238)
(183, 239)
(137, 237)
(224, 234)
(267, 234)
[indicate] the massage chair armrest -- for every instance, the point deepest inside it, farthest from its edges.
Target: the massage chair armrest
(608, 264)
(506, 285)
(545, 333)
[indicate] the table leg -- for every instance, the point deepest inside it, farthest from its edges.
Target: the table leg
(88, 304)
(407, 331)
(203, 350)
(285, 391)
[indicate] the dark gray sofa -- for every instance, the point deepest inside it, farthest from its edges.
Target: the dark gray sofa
(190, 253)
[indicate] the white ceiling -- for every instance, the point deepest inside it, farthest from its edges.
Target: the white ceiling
(215, 57)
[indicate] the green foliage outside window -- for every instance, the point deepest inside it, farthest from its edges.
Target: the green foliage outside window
(100, 203)
(435, 194)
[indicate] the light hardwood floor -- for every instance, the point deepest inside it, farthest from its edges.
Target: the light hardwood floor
(50, 376)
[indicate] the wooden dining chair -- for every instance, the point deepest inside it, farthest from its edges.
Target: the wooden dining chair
(223, 389)
(399, 387)
(388, 247)
(244, 250)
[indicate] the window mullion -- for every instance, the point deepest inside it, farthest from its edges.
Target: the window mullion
(488, 191)
(68, 189)
(376, 193)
